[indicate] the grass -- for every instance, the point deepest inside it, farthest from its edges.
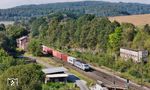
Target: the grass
(59, 86)
(45, 59)
(133, 79)
(49, 61)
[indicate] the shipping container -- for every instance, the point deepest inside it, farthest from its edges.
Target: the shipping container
(54, 53)
(71, 60)
(64, 57)
(50, 51)
(59, 55)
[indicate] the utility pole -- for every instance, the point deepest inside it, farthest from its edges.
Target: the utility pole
(141, 72)
(127, 84)
(114, 81)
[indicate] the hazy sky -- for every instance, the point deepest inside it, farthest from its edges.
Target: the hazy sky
(12, 3)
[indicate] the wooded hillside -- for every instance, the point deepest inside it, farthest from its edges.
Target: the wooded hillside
(97, 8)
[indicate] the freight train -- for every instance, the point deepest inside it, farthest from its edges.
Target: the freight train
(66, 58)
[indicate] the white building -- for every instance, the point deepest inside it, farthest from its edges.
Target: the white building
(135, 55)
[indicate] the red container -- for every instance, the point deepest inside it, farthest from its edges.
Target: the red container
(64, 57)
(54, 53)
(59, 55)
(49, 50)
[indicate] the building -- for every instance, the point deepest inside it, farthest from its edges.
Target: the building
(135, 55)
(58, 74)
(22, 42)
(99, 86)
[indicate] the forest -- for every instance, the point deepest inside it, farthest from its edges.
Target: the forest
(95, 40)
(98, 8)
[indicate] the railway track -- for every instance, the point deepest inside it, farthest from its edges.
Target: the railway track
(107, 79)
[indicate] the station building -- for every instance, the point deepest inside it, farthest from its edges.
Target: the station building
(58, 74)
(135, 55)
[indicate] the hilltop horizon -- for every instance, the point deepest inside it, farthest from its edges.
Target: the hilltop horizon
(11, 4)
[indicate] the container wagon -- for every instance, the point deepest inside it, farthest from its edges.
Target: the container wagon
(57, 54)
(64, 57)
(54, 53)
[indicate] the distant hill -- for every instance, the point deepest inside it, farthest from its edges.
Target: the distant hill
(97, 8)
(137, 20)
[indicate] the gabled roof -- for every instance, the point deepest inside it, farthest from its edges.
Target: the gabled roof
(54, 70)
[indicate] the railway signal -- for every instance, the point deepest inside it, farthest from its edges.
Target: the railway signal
(127, 84)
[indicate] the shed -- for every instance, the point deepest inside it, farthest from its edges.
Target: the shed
(55, 74)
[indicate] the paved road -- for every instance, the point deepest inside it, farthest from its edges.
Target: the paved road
(80, 83)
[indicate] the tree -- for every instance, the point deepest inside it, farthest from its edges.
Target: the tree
(115, 39)
(29, 77)
(3, 39)
(34, 47)
(16, 31)
(128, 34)
(5, 60)
(2, 27)
(147, 29)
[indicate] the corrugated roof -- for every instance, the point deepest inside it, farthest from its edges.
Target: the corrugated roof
(57, 75)
(136, 50)
(54, 70)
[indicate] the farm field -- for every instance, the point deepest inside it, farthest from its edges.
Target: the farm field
(137, 20)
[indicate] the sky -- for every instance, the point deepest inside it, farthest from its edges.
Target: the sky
(12, 3)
